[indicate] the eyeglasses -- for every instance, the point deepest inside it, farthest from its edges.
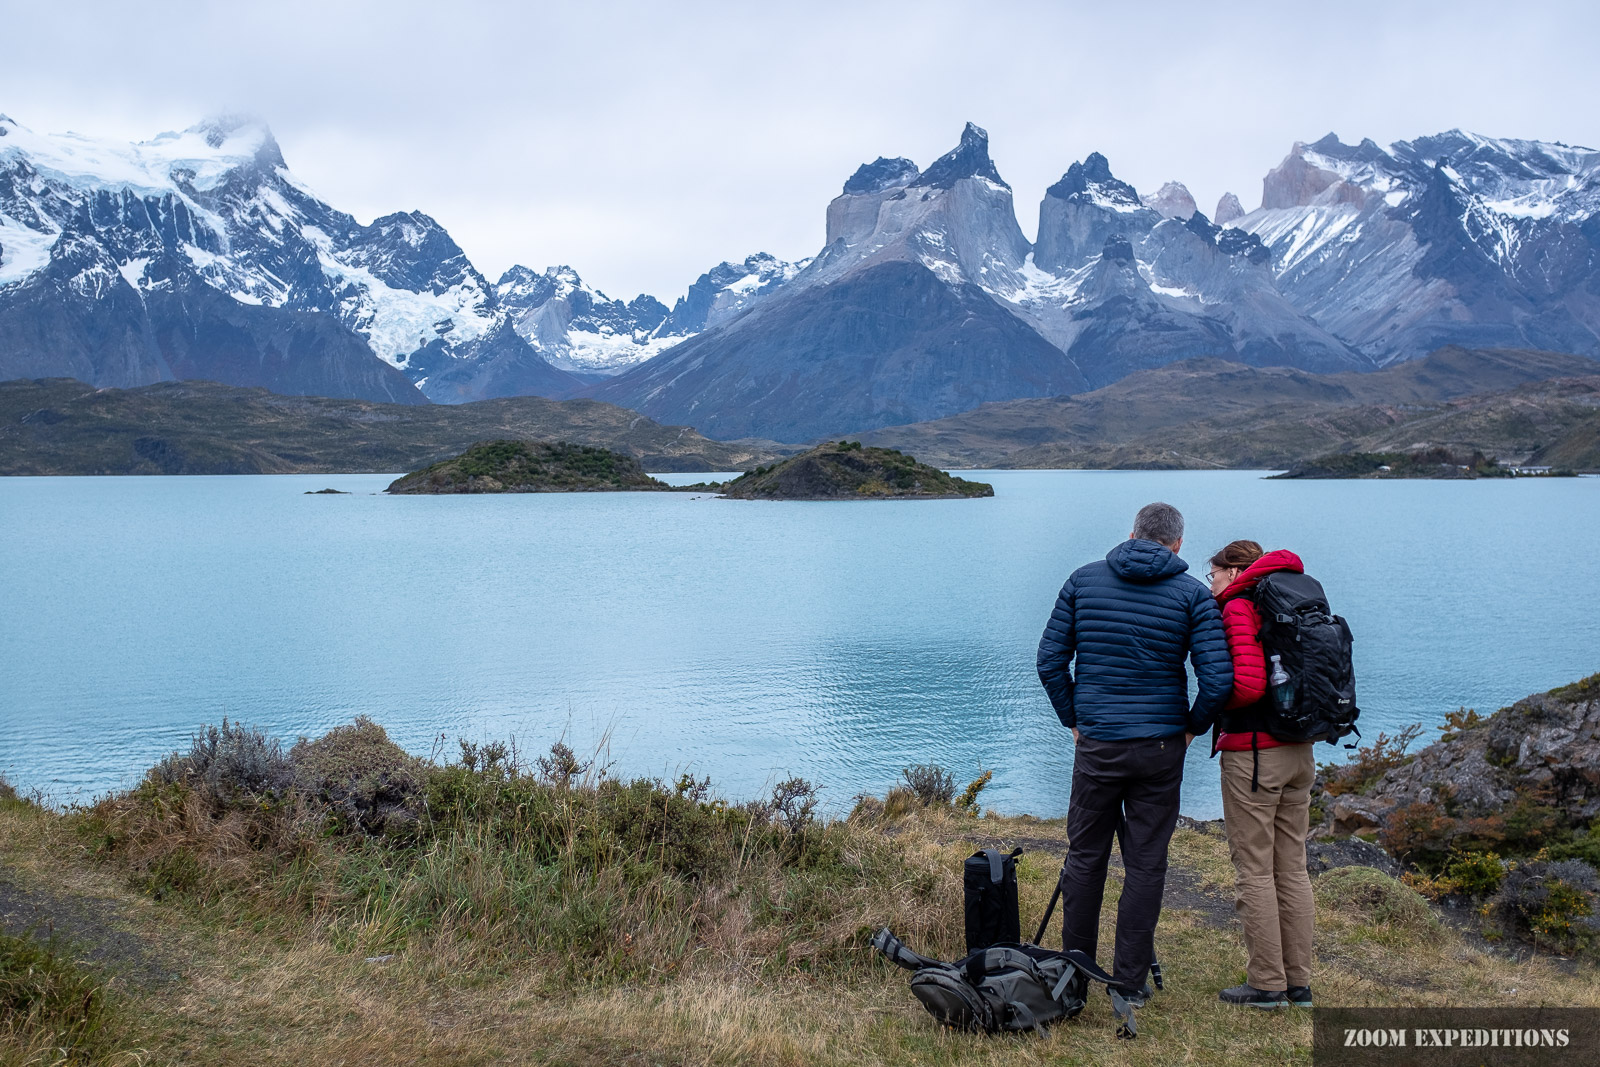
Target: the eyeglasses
(1212, 576)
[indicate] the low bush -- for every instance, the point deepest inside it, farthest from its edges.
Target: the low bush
(1420, 833)
(1551, 902)
(1469, 874)
(1583, 845)
(361, 777)
(1459, 722)
(930, 783)
(1476, 874)
(230, 762)
(1369, 763)
(968, 800)
(1370, 892)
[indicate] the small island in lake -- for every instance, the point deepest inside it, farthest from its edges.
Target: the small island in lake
(529, 467)
(1431, 463)
(844, 470)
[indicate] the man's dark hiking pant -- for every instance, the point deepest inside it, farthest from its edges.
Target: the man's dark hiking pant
(1127, 789)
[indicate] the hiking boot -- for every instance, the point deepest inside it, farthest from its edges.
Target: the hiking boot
(1248, 996)
(1300, 996)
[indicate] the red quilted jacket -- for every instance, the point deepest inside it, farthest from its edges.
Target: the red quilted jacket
(1243, 627)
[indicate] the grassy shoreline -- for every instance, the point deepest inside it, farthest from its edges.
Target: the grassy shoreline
(344, 902)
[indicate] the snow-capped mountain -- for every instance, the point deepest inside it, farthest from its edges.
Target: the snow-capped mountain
(179, 257)
(580, 329)
(191, 254)
(1453, 238)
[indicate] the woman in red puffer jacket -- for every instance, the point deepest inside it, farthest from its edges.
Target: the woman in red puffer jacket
(1266, 794)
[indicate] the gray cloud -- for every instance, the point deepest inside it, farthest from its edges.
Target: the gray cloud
(641, 143)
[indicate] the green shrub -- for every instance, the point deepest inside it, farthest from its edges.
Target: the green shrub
(1551, 901)
(968, 800)
(1373, 894)
(1475, 874)
(361, 777)
(1583, 845)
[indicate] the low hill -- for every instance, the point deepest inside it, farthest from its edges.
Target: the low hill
(62, 426)
(529, 467)
(844, 470)
(1521, 406)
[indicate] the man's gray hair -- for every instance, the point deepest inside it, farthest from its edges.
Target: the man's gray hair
(1161, 523)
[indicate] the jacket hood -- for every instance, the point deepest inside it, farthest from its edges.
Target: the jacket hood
(1280, 559)
(1144, 561)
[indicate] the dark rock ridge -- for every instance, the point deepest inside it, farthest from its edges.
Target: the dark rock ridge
(844, 470)
(60, 426)
(1093, 179)
(1525, 407)
(528, 467)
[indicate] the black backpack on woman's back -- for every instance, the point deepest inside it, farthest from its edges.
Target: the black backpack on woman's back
(1313, 645)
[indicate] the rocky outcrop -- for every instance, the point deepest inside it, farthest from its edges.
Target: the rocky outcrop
(1228, 209)
(1542, 751)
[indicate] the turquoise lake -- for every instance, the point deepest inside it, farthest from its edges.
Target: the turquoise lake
(746, 641)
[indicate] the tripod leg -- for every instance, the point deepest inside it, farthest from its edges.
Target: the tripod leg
(1038, 938)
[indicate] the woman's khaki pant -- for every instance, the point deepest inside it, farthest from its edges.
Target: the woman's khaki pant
(1267, 841)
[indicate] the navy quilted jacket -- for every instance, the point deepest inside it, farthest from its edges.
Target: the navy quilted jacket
(1130, 620)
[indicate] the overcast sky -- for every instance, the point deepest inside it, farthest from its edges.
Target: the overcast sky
(644, 142)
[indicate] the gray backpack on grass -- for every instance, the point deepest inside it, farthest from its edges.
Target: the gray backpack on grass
(999, 988)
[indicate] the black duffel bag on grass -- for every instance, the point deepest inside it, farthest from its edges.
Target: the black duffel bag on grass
(989, 892)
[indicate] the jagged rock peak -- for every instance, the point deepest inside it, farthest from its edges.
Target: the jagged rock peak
(1093, 178)
(969, 159)
(1171, 201)
(1228, 209)
(1201, 226)
(882, 173)
(1117, 250)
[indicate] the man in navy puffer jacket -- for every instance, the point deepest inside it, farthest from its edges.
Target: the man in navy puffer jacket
(1129, 621)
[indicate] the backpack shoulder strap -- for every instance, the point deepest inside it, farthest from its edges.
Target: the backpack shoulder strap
(896, 952)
